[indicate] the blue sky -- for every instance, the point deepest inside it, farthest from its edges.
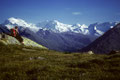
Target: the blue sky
(66, 11)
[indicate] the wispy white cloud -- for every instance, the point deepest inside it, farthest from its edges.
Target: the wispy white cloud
(76, 13)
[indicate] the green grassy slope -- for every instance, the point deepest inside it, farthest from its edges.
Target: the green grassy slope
(41, 64)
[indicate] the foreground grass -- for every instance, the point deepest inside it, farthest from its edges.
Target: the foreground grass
(41, 64)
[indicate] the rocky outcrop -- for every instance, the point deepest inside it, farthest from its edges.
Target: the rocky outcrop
(11, 40)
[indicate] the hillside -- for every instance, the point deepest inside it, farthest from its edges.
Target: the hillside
(27, 42)
(108, 42)
(42, 64)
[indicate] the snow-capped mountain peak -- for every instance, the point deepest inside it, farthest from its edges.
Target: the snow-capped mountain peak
(99, 29)
(83, 29)
(17, 21)
(55, 26)
(55, 21)
(12, 22)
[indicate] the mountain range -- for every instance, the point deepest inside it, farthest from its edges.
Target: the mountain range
(58, 27)
(106, 43)
(59, 36)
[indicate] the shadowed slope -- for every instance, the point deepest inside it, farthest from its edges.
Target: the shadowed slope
(107, 42)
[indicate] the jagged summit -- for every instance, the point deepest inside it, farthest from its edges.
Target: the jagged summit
(55, 26)
(83, 29)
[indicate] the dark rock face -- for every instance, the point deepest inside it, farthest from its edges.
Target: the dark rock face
(4, 29)
(107, 42)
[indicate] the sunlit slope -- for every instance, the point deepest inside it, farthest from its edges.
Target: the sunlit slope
(27, 42)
